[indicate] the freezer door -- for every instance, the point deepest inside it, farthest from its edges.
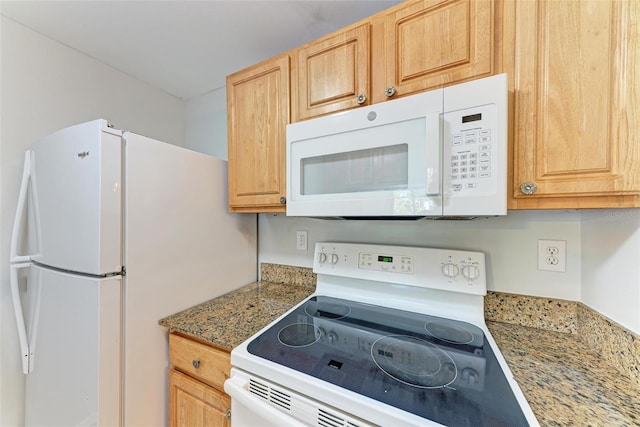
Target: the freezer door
(74, 330)
(76, 188)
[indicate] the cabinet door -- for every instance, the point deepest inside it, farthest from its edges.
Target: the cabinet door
(331, 74)
(576, 103)
(432, 43)
(193, 404)
(257, 113)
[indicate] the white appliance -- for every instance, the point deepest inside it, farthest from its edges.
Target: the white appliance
(441, 153)
(121, 231)
(393, 336)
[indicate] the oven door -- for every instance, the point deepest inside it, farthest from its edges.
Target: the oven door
(257, 402)
(382, 160)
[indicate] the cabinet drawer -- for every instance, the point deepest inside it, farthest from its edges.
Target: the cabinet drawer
(200, 361)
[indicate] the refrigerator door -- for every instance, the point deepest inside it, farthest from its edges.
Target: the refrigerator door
(74, 332)
(76, 188)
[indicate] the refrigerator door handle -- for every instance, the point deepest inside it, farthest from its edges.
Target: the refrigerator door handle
(17, 308)
(21, 210)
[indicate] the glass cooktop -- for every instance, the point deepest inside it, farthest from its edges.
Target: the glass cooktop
(439, 369)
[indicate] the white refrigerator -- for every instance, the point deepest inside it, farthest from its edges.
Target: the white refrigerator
(114, 231)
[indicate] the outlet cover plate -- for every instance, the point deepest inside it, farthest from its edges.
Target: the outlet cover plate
(552, 255)
(301, 240)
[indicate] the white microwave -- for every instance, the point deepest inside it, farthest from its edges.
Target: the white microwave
(441, 153)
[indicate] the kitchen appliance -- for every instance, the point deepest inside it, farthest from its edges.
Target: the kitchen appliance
(441, 153)
(120, 231)
(393, 336)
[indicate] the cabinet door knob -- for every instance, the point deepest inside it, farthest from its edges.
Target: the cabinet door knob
(528, 188)
(391, 90)
(361, 98)
(196, 363)
(228, 414)
(283, 200)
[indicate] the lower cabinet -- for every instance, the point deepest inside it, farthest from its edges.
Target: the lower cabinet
(196, 384)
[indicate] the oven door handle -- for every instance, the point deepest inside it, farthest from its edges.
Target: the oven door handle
(238, 391)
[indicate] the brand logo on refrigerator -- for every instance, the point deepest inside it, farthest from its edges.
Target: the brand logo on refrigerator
(83, 154)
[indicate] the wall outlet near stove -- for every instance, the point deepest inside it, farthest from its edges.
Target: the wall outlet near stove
(552, 255)
(301, 240)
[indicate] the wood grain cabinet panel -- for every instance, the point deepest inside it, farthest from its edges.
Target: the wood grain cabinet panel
(257, 114)
(196, 384)
(576, 96)
(410, 48)
(192, 404)
(331, 74)
(429, 44)
(205, 363)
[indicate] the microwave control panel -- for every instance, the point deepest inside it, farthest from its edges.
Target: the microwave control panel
(470, 157)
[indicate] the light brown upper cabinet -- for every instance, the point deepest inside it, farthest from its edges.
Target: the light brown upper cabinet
(433, 43)
(410, 48)
(576, 97)
(331, 74)
(257, 114)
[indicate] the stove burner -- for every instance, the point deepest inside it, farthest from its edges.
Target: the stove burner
(327, 310)
(414, 361)
(449, 333)
(299, 335)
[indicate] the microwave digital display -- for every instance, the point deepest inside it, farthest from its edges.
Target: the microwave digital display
(382, 258)
(472, 118)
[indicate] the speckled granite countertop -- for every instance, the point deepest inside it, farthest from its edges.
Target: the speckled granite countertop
(565, 382)
(230, 319)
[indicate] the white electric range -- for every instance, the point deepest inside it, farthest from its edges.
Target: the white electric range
(393, 336)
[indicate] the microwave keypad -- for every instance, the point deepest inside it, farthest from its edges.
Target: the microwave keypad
(471, 159)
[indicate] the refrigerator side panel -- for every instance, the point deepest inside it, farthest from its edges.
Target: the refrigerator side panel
(75, 181)
(75, 324)
(182, 248)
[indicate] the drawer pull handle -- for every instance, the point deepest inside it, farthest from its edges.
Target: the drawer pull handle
(196, 363)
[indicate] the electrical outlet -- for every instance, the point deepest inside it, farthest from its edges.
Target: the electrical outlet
(552, 255)
(301, 240)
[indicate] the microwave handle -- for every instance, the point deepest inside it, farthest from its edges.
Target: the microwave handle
(433, 143)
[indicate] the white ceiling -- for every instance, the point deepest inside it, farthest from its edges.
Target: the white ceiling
(183, 47)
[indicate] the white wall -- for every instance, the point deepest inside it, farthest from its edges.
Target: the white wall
(611, 264)
(206, 123)
(46, 86)
(510, 244)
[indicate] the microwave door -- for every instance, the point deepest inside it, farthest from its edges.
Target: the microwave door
(385, 170)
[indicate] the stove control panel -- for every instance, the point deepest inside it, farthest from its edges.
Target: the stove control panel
(386, 262)
(433, 268)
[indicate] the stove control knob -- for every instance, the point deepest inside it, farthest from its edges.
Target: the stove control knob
(322, 258)
(469, 376)
(333, 337)
(450, 270)
(470, 272)
(334, 259)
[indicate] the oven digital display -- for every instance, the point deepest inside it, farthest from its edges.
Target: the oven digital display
(472, 118)
(382, 258)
